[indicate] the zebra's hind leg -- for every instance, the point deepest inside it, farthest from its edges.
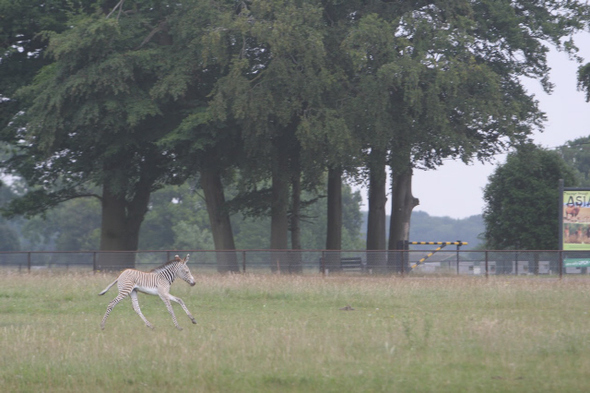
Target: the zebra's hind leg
(166, 300)
(120, 296)
(135, 304)
(179, 301)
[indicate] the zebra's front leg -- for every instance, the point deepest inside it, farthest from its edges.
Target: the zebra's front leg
(179, 301)
(166, 300)
(135, 304)
(110, 307)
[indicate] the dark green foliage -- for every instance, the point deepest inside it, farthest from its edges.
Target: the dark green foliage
(441, 80)
(576, 154)
(9, 231)
(91, 110)
(72, 226)
(434, 80)
(8, 238)
(584, 79)
(522, 200)
(314, 223)
(22, 45)
(93, 121)
(177, 219)
(120, 99)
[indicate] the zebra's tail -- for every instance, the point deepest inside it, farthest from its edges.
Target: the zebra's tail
(109, 287)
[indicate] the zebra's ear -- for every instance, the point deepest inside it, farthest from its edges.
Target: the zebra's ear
(186, 259)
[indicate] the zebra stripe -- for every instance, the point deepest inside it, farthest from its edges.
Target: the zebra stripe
(155, 282)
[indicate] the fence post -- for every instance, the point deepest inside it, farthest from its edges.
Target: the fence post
(486, 262)
(458, 248)
(244, 261)
(458, 245)
(323, 264)
(94, 262)
(403, 260)
(29, 261)
(560, 264)
(404, 247)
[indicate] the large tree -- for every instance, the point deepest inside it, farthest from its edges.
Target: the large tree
(92, 120)
(275, 94)
(276, 90)
(209, 144)
(137, 85)
(521, 200)
(435, 80)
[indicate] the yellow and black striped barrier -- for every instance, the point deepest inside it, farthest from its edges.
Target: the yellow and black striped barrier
(442, 245)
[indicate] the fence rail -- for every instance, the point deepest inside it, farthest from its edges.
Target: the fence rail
(463, 262)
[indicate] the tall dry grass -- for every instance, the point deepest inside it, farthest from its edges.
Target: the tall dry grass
(265, 333)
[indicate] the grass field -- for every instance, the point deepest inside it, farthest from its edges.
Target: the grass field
(263, 333)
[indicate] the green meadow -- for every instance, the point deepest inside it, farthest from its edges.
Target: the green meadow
(280, 333)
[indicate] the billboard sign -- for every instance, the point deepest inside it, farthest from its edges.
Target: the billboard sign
(575, 225)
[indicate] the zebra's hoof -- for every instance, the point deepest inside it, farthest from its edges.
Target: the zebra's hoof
(194, 321)
(178, 327)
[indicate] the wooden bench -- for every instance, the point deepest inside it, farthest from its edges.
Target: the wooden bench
(354, 264)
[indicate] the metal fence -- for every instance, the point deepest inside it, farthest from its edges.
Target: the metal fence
(464, 262)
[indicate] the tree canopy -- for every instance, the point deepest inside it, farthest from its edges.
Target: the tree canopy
(522, 199)
(576, 154)
(91, 120)
(117, 99)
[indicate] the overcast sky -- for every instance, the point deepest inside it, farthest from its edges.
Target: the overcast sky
(456, 189)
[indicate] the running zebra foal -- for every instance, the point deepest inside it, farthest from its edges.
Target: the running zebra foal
(155, 282)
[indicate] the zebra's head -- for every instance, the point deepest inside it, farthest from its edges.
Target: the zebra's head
(183, 270)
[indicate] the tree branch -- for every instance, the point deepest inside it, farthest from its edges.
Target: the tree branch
(162, 26)
(119, 6)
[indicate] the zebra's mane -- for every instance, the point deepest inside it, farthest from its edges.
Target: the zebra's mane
(163, 267)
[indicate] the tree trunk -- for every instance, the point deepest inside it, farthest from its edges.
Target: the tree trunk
(334, 231)
(220, 222)
(279, 222)
(113, 233)
(121, 222)
(295, 261)
(376, 217)
(402, 204)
